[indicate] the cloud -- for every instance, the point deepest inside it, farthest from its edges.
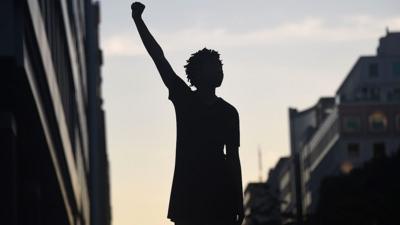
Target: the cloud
(122, 45)
(353, 28)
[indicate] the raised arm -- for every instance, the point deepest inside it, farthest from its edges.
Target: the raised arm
(153, 48)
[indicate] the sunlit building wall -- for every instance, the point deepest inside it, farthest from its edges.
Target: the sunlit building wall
(50, 106)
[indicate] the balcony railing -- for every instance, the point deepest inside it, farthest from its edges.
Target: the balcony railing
(320, 143)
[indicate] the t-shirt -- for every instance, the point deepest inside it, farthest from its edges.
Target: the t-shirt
(202, 187)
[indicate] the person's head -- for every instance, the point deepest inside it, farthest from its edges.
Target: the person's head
(204, 69)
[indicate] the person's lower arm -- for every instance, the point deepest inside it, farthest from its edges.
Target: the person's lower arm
(238, 184)
(236, 176)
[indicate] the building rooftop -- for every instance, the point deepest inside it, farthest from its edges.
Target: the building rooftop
(389, 45)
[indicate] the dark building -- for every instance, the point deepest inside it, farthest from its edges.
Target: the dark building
(263, 201)
(54, 166)
(359, 124)
(303, 126)
(280, 182)
(261, 206)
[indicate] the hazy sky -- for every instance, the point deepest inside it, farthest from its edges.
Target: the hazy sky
(276, 54)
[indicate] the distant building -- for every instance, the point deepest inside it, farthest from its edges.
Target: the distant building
(261, 205)
(362, 122)
(303, 126)
(279, 181)
(54, 164)
(263, 200)
(285, 177)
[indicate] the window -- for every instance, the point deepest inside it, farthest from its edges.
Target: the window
(351, 124)
(307, 199)
(377, 122)
(373, 70)
(287, 199)
(379, 150)
(353, 150)
(396, 69)
(375, 94)
(284, 181)
(398, 122)
(396, 95)
(364, 93)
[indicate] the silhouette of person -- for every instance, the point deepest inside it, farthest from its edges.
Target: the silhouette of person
(207, 182)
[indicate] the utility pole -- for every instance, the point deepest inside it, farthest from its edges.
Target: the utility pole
(260, 167)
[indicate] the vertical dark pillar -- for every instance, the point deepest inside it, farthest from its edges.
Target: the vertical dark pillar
(295, 154)
(298, 189)
(99, 178)
(8, 169)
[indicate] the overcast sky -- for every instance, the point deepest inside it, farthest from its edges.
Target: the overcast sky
(276, 54)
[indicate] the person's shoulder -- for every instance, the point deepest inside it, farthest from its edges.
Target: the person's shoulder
(228, 108)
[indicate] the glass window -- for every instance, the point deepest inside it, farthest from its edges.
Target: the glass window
(342, 98)
(396, 69)
(307, 199)
(398, 121)
(377, 122)
(353, 150)
(373, 70)
(396, 95)
(375, 94)
(364, 93)
(351, 124)
(379, 150)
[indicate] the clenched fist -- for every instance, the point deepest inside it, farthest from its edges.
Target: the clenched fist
(137, 9)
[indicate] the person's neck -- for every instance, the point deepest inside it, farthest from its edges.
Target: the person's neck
(207, 95)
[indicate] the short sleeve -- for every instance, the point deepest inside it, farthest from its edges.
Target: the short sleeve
(233, 131)
(178, 89)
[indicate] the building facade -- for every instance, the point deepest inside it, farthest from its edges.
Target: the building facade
(362, 123)
(285, 184)
(264, 202)
(261, 205)
(52, 122)
(280, 185)
(303, 126)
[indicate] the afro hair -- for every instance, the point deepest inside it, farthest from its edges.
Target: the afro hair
(205, 58)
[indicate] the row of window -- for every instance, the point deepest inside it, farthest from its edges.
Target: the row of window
(353, 150)
(377, 122)
(373, 69)
(376, 94)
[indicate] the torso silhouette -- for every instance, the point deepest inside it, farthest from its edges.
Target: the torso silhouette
(201, 187)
